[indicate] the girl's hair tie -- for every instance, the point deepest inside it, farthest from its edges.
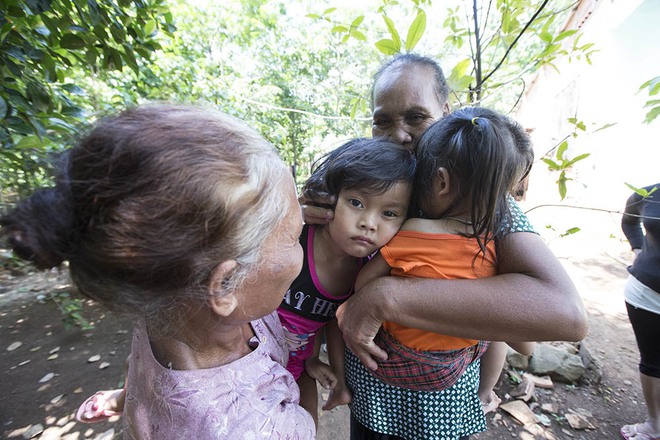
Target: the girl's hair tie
(474, 120)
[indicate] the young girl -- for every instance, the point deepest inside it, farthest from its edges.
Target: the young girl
(467, 164)
(372, 182)
(187, 220)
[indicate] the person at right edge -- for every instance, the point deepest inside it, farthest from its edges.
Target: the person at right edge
(642, 295)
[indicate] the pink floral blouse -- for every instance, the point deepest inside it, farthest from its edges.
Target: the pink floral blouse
(252, 397)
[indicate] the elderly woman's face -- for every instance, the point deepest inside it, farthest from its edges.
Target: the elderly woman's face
(281, 260)
(405, 104)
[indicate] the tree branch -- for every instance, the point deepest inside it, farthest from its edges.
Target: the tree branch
(609, 211)
(294, 110)
(522, 32)
(477, 40)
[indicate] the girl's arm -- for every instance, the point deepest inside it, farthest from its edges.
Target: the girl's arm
(533, 298)
(376, 267)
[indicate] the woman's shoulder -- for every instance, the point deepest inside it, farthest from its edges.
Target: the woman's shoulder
(516, 221)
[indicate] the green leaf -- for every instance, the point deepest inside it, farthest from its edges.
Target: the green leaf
(416, 30)
(571, 231)
(650, 83)
(604, 127)
(652, 103)
(4, 108)
(57, 122)
(118, 33)
(90, 56)
(461, 68)
(357, 22)
(149, 28)
(458, 79)
(565, 34)
(561, 184)
(387, 47)
(641, 191)
(314, 16)
(74, 111)
(392, 30)
(39, 96)
(358, 35)
(29, 142)
(650, 116)
(72, 41)
(552, 165)
(49, 67)
(577, 159)
(78, 28)
(561, 150)
(129, 57)
(339, 29)
(329, 11)
(354, 107)
(113, 57)
(74, 89)
(546, 36)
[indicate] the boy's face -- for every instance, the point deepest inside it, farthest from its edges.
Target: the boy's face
(364, 221)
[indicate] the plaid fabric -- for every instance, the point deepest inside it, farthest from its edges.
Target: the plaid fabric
(423, 370)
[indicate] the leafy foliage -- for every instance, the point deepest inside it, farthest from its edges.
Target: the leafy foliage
(71, 310)
(642, 191)
(653, 86)
(44, 46)
(66, 62)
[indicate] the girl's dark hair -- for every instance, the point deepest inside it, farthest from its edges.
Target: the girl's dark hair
(372, 165)
(486, 154)
(149, 203)
(410, 59)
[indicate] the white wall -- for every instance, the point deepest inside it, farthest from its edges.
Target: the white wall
(627, 34)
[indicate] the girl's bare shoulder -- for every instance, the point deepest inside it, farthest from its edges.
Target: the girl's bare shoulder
(428, 226)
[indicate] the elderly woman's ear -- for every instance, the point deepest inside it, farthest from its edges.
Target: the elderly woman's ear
(222, 298)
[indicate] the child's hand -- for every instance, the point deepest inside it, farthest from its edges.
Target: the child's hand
(339, 395)
(321, 372)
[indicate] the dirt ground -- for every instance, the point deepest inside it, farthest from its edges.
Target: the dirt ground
(46, 377)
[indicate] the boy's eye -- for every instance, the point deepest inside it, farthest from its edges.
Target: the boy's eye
(355, 202)
(390, 214)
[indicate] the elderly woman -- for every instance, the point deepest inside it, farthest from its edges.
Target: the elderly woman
(188, 220)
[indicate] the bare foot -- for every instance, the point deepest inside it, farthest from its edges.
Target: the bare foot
(491, 404)
(639, 431)
(101, 406)
(338, 397)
